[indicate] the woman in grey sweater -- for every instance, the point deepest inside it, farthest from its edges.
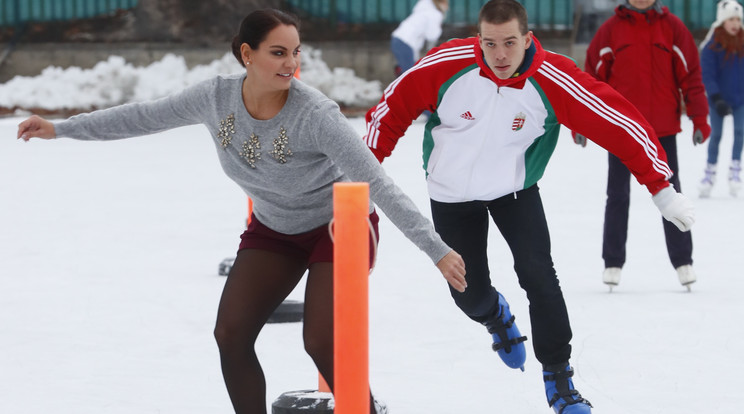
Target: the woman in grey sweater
(285, 144)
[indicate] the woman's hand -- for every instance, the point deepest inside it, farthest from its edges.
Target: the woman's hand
(453, 268)
(36, 126)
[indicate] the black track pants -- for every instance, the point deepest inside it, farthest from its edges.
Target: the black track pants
(521, 220)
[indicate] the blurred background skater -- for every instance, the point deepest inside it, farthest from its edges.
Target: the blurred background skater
(422, 27)
(632, 52)
(722, 60)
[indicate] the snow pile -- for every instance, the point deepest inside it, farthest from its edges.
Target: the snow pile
(114, 82)
(339, 84)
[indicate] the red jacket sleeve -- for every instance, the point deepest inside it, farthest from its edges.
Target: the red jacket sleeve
(595, 110)
(687, 70)
(599, 55)
(413, 92)
(402, 102)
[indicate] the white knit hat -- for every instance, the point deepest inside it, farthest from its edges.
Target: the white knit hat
(725, 10)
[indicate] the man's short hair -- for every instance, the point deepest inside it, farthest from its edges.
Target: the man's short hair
(502, 11)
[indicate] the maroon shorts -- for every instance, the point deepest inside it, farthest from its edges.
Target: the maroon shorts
(314, 246)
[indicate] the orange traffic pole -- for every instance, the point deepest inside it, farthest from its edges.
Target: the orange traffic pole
(350, 297)
(250, 212)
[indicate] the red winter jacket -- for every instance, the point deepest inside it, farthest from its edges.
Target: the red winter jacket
(649, 57)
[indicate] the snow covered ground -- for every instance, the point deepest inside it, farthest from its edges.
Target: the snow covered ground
(109, 287)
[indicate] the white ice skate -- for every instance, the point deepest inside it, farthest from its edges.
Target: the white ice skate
(611, 276)
(734, 178)
(686, 276)
(706, 184)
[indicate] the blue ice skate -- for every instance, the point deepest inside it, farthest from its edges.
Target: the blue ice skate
(560, 392)
(507, 340)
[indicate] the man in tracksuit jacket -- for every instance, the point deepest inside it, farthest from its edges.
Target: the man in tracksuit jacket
(497, 103)
(648, 55)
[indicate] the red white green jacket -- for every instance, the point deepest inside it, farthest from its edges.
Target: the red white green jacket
(489, 137)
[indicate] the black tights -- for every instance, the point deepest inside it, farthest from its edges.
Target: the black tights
(258, 283)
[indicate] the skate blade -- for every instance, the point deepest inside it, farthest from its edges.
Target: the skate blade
(688, 285)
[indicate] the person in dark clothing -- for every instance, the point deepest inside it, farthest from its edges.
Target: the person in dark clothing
(648, 55)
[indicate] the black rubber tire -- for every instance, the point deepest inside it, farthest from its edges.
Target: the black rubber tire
(288, 311)
(305, 401)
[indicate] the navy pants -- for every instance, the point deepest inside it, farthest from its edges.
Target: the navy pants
(716, 125)
(521, 220)
(404, 55)
(679, 243)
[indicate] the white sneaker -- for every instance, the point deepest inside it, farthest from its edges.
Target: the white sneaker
(611, 276)
(686, 275)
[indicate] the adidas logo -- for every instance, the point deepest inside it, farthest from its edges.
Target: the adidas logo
(467, 115)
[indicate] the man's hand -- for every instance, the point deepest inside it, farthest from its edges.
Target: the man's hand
(675, 207)
(579, 139)
(697, 137)
(701, 129)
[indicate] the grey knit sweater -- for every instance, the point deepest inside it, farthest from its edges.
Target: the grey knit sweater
(287, 164)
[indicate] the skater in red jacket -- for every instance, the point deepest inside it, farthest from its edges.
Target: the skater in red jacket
(648, 55)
